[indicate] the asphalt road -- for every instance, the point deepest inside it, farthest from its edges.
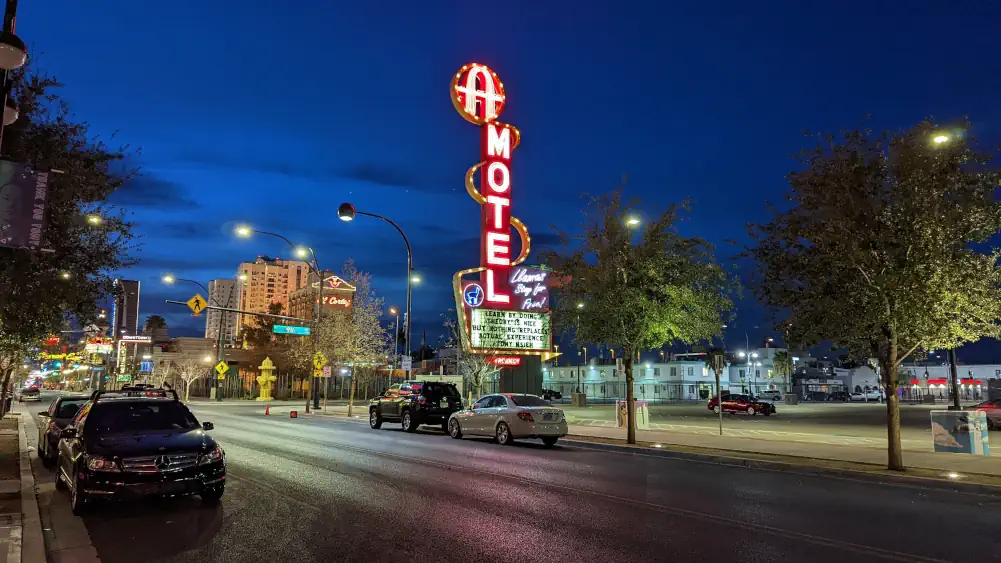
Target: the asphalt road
(334, 490)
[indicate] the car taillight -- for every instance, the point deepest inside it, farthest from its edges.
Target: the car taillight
(526, 416)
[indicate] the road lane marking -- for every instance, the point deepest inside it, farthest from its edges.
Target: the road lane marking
(680, 512)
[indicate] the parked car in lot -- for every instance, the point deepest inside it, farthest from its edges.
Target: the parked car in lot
(510, 416)
(414, 404)
(128, 444)
(60, 414)
(742, 403)
(551, 395)
(992, 409)
(770, 395)
(871, 395)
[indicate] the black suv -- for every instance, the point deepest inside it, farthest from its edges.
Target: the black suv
(414, 403)
(136, 443)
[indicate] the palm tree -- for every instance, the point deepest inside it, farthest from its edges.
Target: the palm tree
(154, 322)
(783, 367)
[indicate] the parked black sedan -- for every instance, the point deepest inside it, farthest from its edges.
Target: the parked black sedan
(52, 422)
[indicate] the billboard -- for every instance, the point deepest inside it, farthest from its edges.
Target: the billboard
(24, 195)
(507, 309)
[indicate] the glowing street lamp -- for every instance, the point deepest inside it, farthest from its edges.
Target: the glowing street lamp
(65, 275)
(94, 219)
(580, 305)
(167, 279)
(940, 139)
(243, 231)
(347, 212)
(633, 221)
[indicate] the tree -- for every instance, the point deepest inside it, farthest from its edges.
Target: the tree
(188, 368)
(639, 290)
(154, 322)
(358, 339)
(782, 364)
(473, 368)
(876, 251)
(35, 300)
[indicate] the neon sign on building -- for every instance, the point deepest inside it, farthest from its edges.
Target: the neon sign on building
(489, 307)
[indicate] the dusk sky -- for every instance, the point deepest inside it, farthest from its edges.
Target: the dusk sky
(254, 111)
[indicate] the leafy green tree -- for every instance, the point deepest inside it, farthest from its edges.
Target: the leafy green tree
(35, 297)
(876, 249)
(637, 287)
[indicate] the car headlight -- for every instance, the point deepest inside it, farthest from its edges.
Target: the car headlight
(98, 463)
(212, 457)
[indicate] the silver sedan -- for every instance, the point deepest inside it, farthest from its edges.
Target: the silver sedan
(508, 416)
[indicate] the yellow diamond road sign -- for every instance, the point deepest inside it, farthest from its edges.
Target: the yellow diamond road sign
(197, 304)
(221, 368)
(319, 360)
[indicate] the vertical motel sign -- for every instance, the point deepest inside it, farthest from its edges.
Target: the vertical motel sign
(493, 317)
(478, 96)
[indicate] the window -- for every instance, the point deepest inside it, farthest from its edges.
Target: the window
(691, 370)
(69, 408)
(674, 371)
(498, 401)
(116, 418)
(482, 403)
(602, 373)
(529, 401)
(656, 372)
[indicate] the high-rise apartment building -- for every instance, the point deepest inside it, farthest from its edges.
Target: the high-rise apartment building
(266, 281)
(223, 293)
(125, 310)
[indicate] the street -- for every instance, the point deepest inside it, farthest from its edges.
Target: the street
(330, 489)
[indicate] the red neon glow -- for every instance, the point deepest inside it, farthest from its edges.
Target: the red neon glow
(495, 182)
(478, 94)
(504, 361)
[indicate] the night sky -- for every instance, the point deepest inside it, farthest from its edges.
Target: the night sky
(252, 111)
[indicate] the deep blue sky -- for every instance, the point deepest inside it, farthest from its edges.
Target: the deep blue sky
(251, 111)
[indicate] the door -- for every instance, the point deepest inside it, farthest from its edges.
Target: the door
(389, 402)
(476, 420)
(71, 448)
(494, 412)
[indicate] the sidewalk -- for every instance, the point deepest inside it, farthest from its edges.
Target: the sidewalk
(941, 462)
(20, 528)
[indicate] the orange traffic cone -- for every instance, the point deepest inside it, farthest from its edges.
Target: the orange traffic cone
(267, 409)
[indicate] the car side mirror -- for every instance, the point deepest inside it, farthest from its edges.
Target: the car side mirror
(207, 426)
(43, 413)
(68, 433)
(475, 406)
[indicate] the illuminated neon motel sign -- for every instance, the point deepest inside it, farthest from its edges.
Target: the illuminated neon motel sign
(493, 313)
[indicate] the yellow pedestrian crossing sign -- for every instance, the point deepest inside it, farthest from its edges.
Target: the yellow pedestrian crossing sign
(221, 368)
(197, 304)
(319, 360)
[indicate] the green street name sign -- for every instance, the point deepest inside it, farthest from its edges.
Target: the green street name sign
(287, 329)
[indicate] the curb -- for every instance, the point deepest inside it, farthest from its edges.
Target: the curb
(790, 464)
(32, 542)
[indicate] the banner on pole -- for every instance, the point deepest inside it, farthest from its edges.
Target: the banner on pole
(24, 195)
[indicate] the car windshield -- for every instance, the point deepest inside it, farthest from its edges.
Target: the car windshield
(441, 391)
(138, 416)
(529, 401)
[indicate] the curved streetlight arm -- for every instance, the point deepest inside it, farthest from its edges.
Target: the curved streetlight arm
(410, 268)
(314, 266)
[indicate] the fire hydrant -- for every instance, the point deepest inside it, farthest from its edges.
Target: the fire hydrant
(266, 379)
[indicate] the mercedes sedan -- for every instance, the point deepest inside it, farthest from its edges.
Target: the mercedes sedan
(510, 416)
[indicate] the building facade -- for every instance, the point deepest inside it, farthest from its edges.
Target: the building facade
(336, 294)
(223, 293)
(125, 309)
(267, 281)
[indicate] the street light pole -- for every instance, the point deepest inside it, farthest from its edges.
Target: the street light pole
(13, 55)
(300, 252)
(347, 212)
(220, 351)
